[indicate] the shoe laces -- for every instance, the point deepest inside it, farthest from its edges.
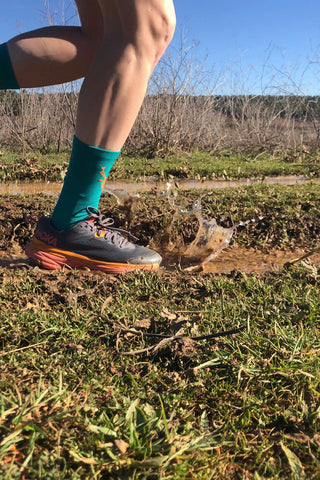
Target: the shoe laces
(105, 228)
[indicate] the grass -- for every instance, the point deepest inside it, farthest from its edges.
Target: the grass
(198, 165)
(34, 166)
(74, 404)
(217, 165)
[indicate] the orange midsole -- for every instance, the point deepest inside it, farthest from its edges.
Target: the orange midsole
(38, 245)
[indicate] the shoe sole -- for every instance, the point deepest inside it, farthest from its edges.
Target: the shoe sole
(55, 259)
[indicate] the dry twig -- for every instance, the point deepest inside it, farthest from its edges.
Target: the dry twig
(165, 340)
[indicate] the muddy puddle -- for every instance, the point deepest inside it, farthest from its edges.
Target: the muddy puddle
(52, 188)
(252, 261)
(210, 250)
(233, 259)
(237, 258)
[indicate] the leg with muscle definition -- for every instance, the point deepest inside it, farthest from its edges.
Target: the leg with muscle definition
(136, 34)
(52, 55)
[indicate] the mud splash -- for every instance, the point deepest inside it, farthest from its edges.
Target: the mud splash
(209, 251)
(210, 238)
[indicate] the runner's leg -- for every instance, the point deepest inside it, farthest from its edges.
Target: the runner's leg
(136, 33)
(56, 54)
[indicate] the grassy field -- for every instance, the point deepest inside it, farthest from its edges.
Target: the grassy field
(105, 377)
(201, 165)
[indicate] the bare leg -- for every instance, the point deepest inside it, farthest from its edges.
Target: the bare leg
(57, 54)
(137, 33)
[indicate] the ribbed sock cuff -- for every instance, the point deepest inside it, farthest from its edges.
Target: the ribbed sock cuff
(96, 153)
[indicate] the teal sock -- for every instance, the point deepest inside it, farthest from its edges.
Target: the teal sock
(84, 182)
(7, 76)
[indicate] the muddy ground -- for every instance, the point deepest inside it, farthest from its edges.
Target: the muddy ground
(277, 231)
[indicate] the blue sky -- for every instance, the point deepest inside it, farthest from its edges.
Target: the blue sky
(252, 46)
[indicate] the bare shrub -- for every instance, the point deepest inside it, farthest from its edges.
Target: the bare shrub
(37, 120)
(182, 110)
(264, 122)
(167, 122)
(178, 111)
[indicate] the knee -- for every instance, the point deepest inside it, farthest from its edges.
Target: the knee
(162, 29)
(153, 29)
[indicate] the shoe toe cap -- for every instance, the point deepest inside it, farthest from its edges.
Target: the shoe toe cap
(145, 256)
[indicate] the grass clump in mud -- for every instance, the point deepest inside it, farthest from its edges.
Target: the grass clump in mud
(36, 166)
(243, 406)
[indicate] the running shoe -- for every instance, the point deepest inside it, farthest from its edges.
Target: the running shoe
(92, 243)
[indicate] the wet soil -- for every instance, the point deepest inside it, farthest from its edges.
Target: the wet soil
(249, 260)
(131, 187)
(233, 259)
(258, 247)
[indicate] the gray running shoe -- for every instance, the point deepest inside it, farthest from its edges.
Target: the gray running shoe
(91, 243)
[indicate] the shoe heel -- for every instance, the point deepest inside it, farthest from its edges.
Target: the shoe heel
(46, 260)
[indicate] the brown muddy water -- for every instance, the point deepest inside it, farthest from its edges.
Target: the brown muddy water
(130, 187)
(252, 261)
